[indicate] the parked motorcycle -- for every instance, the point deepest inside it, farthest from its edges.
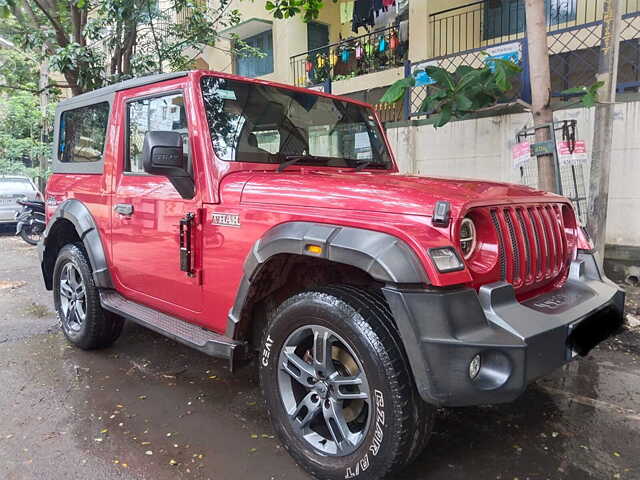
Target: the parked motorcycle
(31, 221)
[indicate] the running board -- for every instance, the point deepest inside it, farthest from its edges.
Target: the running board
(179, 330)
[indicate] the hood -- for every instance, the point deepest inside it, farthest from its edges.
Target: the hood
(382, 192)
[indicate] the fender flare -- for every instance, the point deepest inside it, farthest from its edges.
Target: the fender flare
(385, 257)
(79, 215)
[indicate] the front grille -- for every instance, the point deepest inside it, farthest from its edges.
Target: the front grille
(532, 243)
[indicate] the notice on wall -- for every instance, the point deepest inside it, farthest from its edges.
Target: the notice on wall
(567, 157)
(520, 154)
(509, 51)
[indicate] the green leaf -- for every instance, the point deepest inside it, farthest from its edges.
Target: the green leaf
(396, 91)
(463, 103)
(429, 105)
(444, 117)
(574, 90)
(441, 76)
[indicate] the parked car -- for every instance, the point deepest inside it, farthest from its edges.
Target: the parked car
(251, 219)
(12, 189)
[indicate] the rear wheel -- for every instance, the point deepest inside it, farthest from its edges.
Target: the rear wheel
(77, 302)
(338, 387)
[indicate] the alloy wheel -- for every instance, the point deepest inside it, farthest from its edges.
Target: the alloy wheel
(324, 390)
(73, 298)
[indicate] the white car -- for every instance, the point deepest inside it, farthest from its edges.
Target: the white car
(12, 189)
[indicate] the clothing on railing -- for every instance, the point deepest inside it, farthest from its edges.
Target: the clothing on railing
(366, 11)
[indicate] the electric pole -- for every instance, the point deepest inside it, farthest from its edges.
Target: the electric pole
(43, 85)
(540, 89)
(603, 126)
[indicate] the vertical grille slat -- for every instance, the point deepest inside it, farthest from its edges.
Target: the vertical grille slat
(501, 255)
(532, 243)
(514, 245)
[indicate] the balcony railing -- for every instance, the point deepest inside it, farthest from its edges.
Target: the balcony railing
(373, 52)
(481, 24)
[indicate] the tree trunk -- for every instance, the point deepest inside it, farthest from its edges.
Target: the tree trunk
(540, 89)
(603, 126)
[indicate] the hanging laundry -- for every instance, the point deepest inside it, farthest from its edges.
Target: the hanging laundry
(403, 31)
(388, 3)
(346, 12)
(362, 14)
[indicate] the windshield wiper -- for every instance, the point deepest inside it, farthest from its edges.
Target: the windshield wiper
(362, 165)
(289, 160)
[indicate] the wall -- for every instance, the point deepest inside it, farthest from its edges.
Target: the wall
(481, 149)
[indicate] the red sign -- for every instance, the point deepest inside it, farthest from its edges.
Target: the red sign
(520, 154)
(567, 157)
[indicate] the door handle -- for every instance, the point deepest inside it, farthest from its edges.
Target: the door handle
(124, 209)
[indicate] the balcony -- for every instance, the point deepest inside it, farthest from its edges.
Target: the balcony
(374, 52)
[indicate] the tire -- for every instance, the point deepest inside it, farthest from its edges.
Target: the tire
(77, 302)
(357, 416)
(24, 234)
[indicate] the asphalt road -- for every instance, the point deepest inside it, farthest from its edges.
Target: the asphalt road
(149, 408)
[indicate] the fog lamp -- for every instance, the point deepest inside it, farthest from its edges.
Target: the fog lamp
(446, 259)
(474, 366)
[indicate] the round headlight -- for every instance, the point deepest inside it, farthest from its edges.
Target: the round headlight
(467, 237)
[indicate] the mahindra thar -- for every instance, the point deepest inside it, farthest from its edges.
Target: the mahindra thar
(249, 219)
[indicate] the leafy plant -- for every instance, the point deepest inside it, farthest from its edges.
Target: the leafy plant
(588, 95)
(456, 95)
(290, 8)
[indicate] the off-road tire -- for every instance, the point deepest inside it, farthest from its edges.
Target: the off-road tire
(100, 328)
(402, 420)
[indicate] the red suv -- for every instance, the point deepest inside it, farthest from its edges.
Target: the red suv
(246, 218)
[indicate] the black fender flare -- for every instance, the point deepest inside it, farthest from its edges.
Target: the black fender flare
(385, 257)
(85, 226)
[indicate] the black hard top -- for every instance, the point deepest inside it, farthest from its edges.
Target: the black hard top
(101, 93)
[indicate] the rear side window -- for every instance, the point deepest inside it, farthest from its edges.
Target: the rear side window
(82, 134)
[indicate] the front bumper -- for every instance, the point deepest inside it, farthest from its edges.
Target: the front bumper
(444, 329)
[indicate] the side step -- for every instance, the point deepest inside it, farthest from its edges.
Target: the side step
(179, 330)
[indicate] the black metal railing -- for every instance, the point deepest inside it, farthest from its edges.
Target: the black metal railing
(373, 52)
(481, 24)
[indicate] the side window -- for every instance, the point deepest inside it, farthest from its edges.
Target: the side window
(153, 114)
(82, 133)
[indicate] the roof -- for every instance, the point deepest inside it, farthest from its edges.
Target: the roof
(124, 85)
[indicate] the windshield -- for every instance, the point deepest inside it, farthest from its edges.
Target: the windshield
(264, 124)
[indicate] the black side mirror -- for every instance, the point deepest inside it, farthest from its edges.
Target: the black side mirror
(162, 155)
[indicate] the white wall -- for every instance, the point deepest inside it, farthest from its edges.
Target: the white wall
(481, 148)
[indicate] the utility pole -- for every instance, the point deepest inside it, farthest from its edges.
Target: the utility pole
(540, 89)
(603, 126)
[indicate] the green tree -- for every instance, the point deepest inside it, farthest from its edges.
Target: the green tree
(20, 125)
(129, 37)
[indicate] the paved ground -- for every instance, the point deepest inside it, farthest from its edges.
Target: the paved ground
(148, 408)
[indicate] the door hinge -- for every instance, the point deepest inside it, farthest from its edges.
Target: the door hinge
(186, 244)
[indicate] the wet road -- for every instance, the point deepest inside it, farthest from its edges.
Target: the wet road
(149, 408)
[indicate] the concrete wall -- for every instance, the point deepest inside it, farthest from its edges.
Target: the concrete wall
(481, 149)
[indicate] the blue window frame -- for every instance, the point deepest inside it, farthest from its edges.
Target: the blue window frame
(255, 66)
(506, 17)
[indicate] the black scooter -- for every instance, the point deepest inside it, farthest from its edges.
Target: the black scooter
(31, 221)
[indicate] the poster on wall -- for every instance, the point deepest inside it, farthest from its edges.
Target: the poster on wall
(520, 154)
(508, 51)
(567, 157)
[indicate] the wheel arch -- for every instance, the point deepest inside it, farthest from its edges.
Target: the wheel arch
(73, 222)
(367, 256)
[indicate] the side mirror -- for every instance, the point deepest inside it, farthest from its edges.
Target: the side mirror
(162, 155)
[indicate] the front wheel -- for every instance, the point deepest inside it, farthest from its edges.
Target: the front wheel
(338, 387)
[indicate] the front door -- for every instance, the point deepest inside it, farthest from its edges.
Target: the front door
(147, 211)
